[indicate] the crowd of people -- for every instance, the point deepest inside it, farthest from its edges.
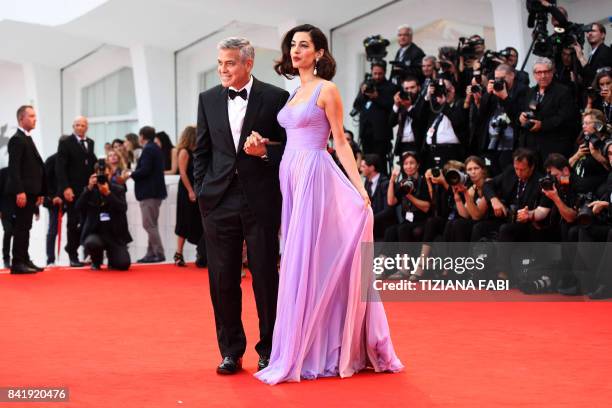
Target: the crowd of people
(482, 155)
(91, 193)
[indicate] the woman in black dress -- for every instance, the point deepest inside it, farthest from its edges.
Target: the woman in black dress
(188, 221)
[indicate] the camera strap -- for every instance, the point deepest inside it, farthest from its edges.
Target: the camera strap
(434, 130)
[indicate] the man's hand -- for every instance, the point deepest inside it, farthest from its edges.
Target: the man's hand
(255, 145)
(537, 126)
(598, 206)
(21, 200)
(441, 99)
(104, 189)
(93, 180)
(69, 195)
(372, 95)
(522, 215)
(553, 194)
(498, 208)
(395, 174)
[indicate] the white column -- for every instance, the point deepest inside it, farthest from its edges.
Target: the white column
(42, 85)
(510, 23)
(154, 85)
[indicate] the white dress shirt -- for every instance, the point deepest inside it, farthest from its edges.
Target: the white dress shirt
(24, 131)
(374, 182)
(236, 109)
(84, 139)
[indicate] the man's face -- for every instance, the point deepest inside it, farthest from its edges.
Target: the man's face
(543, 75)
(522, 169)
(80, 126)
(512, 58)
(28, 119)
(366, 170)
(428, 68)
(595, 37)
(506, 76)
(411, 87)
(404, 37)
(378, 74)
(566, 57)
(559, 174)
(610, 154)
(232, 70)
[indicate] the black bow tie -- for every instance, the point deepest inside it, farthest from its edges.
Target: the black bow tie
(242, 94)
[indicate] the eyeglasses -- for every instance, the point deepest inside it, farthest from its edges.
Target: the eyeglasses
(548, 71)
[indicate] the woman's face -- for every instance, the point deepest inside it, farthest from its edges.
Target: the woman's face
(474, 171)
(410, 166)
(588, 125)
(303, 53)
(605, 86)
(112, 158)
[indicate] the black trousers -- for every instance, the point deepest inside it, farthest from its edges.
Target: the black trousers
(7, 226)
(21, 230)
(226, 227)
(383, 220)
(117, 254)
(73, 230)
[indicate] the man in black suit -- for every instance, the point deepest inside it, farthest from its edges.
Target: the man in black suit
(408, 58)
(409, 114)
(239, 196)
(600, 55)
(374, 105)
(73, 166)
(26, 182)
(550, 131)
(150, 191)
(376, 185)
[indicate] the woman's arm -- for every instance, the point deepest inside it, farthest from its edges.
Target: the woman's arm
(332, 104)
(183, 162)
(173, 162)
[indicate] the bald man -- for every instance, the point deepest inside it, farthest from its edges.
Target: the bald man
(73, 166)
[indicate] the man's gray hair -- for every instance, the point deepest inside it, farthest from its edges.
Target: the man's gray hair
(508, 69)
(238, 43)
(405, 27)
(543, 61)
(430, 58)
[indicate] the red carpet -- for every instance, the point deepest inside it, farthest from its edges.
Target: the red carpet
(145, 338)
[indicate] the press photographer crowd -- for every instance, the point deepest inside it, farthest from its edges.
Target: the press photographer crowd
(480, 154)
(458, 147)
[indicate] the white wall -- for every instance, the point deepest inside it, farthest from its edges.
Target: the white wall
(12, 84)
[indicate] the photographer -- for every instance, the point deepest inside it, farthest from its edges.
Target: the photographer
(601, 94)
(547, 117)
(589, 163)
(428, 72)
(408, 109)
(374, 103)
(377, 185)
(447, 124)
(497, 127)
(600, 56)
(410, 191)
(408, 58)
(512, 58)
(105, 226)
(569, 72)
(597, 281)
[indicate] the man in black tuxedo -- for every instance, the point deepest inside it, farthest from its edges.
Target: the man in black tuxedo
(599, 57)
(408, 58)
(409, 114)
(73, 165)
(550, 131)
(239, 196)
(376, 185)
(26, 182)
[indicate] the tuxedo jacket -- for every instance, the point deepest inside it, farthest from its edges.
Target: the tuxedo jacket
(26, 170)
(601, 58)
(412, 60)
(74, 165)
(379, 196)
(418, 114)
(216, 160)
(504, 186)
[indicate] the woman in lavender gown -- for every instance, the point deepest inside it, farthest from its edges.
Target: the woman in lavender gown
(323, 326)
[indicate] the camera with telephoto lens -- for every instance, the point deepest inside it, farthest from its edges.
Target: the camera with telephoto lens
(100, 172)
(499, 84)
(439, 88)
(436, 170)
(375, 48)
(548, 182)
(406, 185)
(500, 123)
(542, 285)
(531, 115)
(455, 177)
(406, 96)
(585, 214)
(467, 46)
(490, 61)
(370, 85)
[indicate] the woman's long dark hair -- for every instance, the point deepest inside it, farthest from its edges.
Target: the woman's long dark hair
(326, 66)
(166, 147)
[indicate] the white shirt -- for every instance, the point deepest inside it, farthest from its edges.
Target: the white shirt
(408, 135)
(236, 109)
(446, 133)
(79, 140)
(24, 131)
(374, 182)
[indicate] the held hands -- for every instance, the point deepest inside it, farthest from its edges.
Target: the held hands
(255, 145)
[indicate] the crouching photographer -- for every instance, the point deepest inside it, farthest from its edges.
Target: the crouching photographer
(105, 226)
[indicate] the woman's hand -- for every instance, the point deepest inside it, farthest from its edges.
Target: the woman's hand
(365, 197)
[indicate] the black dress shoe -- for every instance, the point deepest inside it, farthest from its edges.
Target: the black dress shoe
(75, 263)
(262, 363)
(229, 365)
(200, 261)
(22, 268)
(31, 265)
(602, 292)
(95, 266)
(147, 259)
